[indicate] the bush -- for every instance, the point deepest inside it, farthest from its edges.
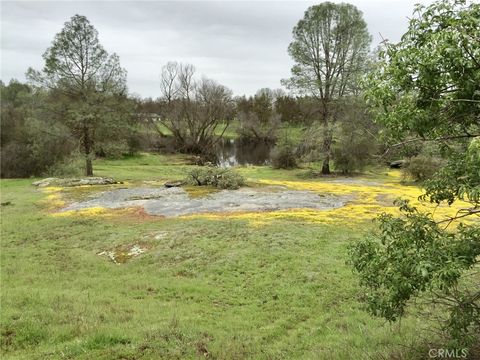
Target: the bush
(310, 148)
(283, 155)
(217, 177)
(34, 151)
(31, 142)
(73, 166)
(112, 149)
(421, 167)
(352, 153)
(354, 146)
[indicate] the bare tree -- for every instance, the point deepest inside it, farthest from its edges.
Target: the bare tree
(196, 111)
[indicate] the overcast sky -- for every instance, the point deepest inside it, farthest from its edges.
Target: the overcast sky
(241, 44)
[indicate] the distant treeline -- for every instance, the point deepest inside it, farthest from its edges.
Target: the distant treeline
(78, 107)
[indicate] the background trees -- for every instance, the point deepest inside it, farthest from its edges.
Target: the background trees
(258, 117)
(86, 86)
(427, 88)
(31, 141)
(194, 110)
(330, 48)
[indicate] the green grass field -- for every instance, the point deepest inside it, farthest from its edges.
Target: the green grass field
(220, 288)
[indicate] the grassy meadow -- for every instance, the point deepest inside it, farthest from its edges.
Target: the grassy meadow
(272, 285)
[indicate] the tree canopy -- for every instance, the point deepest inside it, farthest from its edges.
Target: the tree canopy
(330, 48)
(87, 84)
(427, 88)
(428, 85)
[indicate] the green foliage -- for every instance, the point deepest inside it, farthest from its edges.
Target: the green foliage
(427, 87)
(86, 86)
(352, 153)
(70, 167)
(459, 179)
(290, 109)
(31, 141)
(222, 178)
(284, 155)
(421, 167)
(112, 149)
(330, 48)
(354, 138)
(412, 255)
(14, 110)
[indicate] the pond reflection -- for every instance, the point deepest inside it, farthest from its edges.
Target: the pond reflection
(231, 152)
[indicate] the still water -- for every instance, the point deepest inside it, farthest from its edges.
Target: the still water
(232, 152)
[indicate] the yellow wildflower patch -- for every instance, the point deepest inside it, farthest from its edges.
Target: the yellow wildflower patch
(93, 211)
(199, 191)
(52, 189)
(126, 214)
(53, 200)
(368, 200)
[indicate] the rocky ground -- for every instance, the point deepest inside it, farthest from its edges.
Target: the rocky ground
(175, 201)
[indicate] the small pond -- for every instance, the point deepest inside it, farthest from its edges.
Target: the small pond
(231, 152)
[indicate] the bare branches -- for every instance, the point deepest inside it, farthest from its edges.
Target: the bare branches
(192, 109)
(459, 215)
(442, 138)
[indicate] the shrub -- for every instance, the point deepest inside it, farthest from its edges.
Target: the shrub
(284, 156)
(352, 153)
(310, 148)
(34, 151)
(421, 167)
(112, 149)
(73, 166)
(217, 177)
(353, 146)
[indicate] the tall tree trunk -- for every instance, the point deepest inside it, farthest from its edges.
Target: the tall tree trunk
(88, 166)
(326, 165)
(88, 150)
(327, 144)
(327, 138)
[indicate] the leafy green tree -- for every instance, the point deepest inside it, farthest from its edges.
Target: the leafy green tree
(15, 97)
(289, 109)
(31, 140)
(427, 88)
(86, 84)
(330, 48)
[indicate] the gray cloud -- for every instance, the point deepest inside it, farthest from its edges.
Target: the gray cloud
(243, 45)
